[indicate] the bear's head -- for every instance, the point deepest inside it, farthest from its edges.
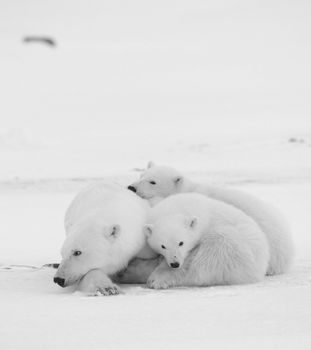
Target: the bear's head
(92, 244)
(173, 237)
(157, 181)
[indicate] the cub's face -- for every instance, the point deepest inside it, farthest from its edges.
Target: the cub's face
(157, 181)
(173, 237)
(88, 247)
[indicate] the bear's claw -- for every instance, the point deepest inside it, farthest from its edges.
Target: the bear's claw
(158, 284)
(107, 291)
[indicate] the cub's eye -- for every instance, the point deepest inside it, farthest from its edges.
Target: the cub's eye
(77, 253)
(152, 182)
(163, 246)
(181, 243)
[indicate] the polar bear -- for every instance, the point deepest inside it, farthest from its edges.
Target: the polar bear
(104, 227)
(204, 242)
(160, 181)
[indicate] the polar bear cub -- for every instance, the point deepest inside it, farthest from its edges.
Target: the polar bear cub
(159, 182)
(204, 242)
(104, 226)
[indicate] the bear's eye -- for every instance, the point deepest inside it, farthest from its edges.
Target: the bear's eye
(181, 243)
(77, 253)
(152, 182)
(163, 246)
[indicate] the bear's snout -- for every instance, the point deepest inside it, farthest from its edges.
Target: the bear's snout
(175, 265)
(132, 188)
(60, 281)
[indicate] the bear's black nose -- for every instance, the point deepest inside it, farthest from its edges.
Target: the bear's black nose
(132, 188)
(175, 265)
(59, 281)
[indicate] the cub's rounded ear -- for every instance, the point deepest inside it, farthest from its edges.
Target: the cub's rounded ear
(193, 222)
(148, 230)
(113, 232)
(178, 180)
(150, 165)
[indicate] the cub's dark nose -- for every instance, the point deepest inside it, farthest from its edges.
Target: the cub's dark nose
(59, 281)
(174, 265)
(132, 188)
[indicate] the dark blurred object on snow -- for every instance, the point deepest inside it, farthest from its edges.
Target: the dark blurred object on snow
(294, 139)
(39, 40)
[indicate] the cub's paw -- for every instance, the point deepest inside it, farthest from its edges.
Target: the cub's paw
(106, 291)
(158, 283)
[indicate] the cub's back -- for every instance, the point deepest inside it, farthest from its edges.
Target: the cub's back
(188, 204)
(211, 213)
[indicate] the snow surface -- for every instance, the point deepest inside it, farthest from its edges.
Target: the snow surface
(219, 89)
(270, 315)
(178, 82)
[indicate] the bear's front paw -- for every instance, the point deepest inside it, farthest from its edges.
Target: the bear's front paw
(96, 282)
(110, 290)
(158, 283)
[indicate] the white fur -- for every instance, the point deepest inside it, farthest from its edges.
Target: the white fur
(220, 244)
(169, 181)
(105, 223)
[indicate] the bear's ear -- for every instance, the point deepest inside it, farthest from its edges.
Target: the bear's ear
(193, 222)
(150, 165)
(178, 180)
(113, 232)
(148, 230)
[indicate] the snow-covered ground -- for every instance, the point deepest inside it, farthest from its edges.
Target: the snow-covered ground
(180, 82)
(220, 90)
(271, 315)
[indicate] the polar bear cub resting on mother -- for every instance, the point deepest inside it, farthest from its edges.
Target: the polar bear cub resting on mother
(160, 182)
(204, 242)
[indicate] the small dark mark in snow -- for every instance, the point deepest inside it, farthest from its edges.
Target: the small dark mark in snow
(296, 140)
(39, 40)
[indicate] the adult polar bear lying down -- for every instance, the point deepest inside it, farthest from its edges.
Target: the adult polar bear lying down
(104, 231)
(160, 181)
(204, 242)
